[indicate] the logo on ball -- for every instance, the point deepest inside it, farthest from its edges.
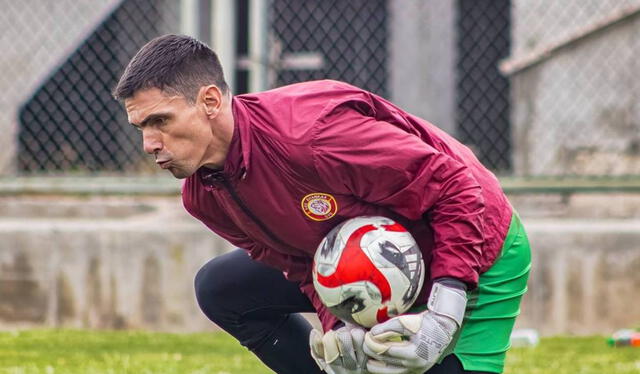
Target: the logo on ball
(367, 270)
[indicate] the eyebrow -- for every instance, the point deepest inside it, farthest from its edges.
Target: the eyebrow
(150, 118)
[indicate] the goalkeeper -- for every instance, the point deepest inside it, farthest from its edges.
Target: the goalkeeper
(273, 172)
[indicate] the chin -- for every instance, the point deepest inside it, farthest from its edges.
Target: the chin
(180, 174)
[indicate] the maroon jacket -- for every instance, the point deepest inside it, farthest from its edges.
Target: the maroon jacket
(305, 157)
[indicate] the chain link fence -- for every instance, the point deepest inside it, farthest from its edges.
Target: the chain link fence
(575, 92)
(540, 88)
(65, 58)
(482, 93)
(343, 40)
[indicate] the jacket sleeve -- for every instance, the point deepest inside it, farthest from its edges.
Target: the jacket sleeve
(295, 268)
(382, 164)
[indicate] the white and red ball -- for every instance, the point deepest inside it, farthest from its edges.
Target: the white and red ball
(367, 270)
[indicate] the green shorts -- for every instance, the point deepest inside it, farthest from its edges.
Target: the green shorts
(482, 342)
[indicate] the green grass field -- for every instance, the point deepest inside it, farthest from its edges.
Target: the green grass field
(116, 352)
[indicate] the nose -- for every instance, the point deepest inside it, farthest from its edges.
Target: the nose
(151, 141)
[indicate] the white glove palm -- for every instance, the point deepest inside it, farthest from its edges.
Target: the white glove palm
(339, 351)
(413, 343)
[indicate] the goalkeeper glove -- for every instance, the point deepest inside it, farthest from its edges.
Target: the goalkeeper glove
(413, 343)
(339, 351)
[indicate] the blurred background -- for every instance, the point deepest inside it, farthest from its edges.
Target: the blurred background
(545, 92)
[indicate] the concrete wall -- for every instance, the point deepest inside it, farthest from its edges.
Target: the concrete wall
(129, 262)
(575, 92)
(539, 23)
(585, 276)
(101, 263)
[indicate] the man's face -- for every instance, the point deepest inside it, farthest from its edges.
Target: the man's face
(176, 132)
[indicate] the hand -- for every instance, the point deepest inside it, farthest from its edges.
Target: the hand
(339, 351)
(413, 343)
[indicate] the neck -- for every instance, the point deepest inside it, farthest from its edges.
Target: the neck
(222, 126)
(226, 124)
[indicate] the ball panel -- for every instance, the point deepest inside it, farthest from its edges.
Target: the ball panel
(368, 269)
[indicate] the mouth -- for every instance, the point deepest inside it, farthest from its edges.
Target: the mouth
(164, 164)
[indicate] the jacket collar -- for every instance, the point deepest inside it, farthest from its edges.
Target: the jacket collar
(237, 161)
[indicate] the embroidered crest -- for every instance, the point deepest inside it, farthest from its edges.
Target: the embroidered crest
(319, 206)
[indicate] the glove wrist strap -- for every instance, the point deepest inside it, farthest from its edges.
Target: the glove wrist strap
(448, 301)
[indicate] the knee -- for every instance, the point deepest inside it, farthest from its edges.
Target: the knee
(210, 285)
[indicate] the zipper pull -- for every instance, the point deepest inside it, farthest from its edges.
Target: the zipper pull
(213, 178)
(218, 176)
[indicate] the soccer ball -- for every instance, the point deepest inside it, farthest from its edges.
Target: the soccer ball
(367, 270)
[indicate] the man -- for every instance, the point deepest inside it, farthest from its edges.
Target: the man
(256, 165)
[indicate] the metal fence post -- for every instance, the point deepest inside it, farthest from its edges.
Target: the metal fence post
(223, 37)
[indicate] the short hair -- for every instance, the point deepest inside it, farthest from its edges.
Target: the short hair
(176, 64)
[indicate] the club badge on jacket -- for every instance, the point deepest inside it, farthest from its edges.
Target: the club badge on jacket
(319, 206)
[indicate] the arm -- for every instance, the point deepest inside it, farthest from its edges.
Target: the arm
(387, 166)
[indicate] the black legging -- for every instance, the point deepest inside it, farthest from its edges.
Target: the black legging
(259, 307)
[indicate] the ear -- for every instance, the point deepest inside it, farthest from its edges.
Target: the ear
(210, 97)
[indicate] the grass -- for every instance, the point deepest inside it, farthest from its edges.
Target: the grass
(120, 352)
(573, 355)
(123, 352)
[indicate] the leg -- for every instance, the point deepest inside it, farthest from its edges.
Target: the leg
(492, 308)
(451, 365)
(257, 305)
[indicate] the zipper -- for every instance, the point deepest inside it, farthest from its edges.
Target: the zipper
(220, 177)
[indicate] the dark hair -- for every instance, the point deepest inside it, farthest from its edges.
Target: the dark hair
(176, 64)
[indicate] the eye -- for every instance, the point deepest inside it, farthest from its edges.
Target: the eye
(159, 121)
